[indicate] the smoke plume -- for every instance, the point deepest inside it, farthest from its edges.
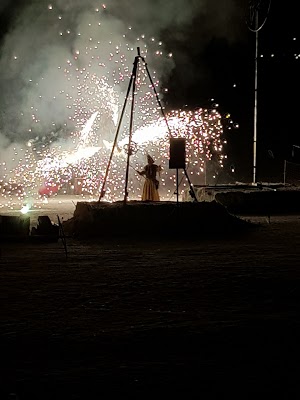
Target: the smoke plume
(49, 43)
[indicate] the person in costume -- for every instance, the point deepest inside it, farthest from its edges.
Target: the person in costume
(151, 184)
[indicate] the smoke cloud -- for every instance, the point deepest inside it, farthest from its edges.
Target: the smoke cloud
(50, 43)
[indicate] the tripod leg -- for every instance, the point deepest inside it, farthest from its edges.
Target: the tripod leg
(192, 192)
(102, 192)
(177, 187)
(134, 74)
(157, 97)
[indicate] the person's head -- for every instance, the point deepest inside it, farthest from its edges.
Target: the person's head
(150, 159)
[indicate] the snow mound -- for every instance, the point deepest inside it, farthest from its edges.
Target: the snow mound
(100, 219)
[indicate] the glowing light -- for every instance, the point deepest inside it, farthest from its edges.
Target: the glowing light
(25, 209)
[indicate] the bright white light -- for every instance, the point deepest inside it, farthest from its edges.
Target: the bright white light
(25, 209)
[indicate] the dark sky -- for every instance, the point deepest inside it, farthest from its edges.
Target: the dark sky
(214, 59)
(230, 82)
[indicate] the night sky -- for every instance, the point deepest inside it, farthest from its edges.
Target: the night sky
(213, 52)
(229, 79)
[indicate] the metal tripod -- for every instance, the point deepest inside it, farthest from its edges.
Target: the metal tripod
(132, 85)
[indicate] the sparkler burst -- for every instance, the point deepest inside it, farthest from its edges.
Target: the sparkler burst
(82, 170)
(86, 100)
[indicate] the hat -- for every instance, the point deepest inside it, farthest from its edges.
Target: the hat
(150, 159)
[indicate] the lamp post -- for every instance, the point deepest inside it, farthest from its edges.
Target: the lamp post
(257, 16)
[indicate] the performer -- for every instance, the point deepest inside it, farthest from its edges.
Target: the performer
(150, 189)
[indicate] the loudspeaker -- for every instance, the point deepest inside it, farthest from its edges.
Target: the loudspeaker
(177, 153)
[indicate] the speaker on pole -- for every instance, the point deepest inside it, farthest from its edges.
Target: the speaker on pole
(177, 153)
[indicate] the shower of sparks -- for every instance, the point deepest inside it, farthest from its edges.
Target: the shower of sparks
(82, 170)
(77, 165)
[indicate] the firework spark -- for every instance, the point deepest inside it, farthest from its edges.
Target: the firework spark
(92, 85)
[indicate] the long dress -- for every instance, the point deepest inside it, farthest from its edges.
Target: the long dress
(150, 192)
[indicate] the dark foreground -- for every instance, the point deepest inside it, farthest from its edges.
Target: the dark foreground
(190, 319)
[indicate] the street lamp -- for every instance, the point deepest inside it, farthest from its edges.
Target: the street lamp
(257, 15)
